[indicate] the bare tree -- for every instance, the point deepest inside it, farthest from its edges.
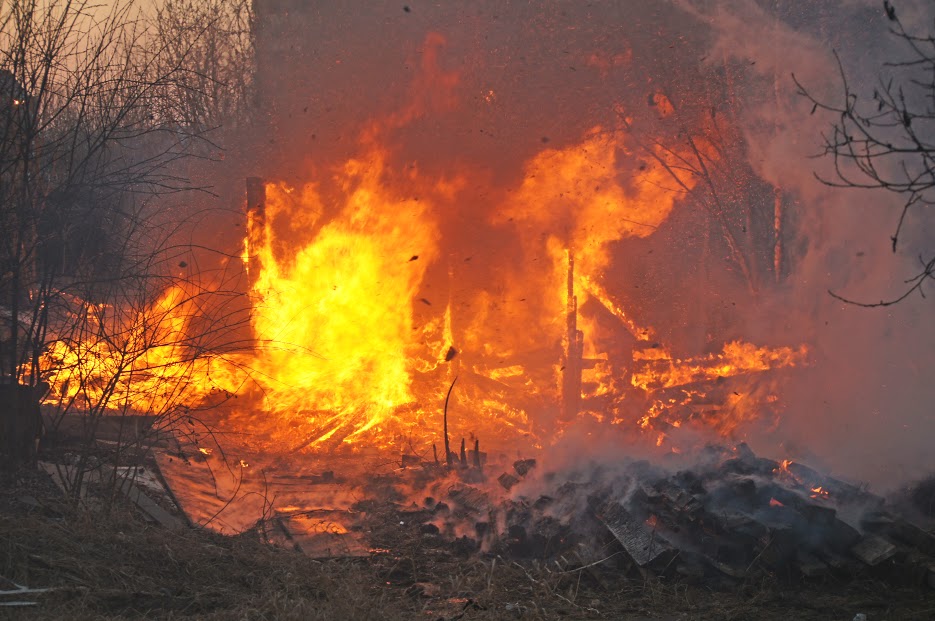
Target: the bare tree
(886, 141)
(89, 139)
(213, 41)
(147, 344)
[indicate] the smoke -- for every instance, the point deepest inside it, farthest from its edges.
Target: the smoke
(474, 91)
(863, 408)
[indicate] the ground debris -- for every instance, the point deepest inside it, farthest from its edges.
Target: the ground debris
(118, 566)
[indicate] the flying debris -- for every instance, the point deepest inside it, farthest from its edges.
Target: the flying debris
(890, 10)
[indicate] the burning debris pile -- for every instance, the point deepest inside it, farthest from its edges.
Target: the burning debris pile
(731, 517)
(718, 518)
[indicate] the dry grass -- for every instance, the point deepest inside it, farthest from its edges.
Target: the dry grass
(117, 566)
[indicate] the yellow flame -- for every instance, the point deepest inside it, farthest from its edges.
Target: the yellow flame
(334, 311)
(662, 371)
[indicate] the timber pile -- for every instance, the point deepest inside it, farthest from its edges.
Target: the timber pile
(733, 517)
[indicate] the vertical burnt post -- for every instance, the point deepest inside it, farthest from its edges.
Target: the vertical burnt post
(574, 349)
(448, 454)
(256, 225)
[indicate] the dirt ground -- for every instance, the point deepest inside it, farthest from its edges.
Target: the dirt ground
(99, 564)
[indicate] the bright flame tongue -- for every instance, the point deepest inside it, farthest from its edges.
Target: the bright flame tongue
(581, 195)
(334, 320)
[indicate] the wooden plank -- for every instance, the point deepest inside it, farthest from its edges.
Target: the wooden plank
(901, 530)
(644, 544)
(523, 466)
(231, 498)
(873, 550)
(127, 429)
(149, 506)
(471, 498)
(64, 476)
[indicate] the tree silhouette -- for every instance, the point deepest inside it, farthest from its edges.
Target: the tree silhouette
(887, 141)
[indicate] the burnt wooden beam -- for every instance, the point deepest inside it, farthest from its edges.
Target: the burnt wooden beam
(523, 466)
(256, 220)
(901, 530)
(448, 456)
(574, 349)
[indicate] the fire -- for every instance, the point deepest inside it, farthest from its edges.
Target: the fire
(360, 322)
(333, 309)
(783, 469)
(140, 358)
(661, 370)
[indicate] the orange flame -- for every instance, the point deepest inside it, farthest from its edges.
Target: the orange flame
(141, 358)
(334, 311)
(347, 341)
(660, 370)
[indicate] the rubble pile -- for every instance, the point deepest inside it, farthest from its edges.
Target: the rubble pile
(731, 517)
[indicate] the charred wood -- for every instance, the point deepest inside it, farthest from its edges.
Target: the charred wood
(507, 480)
(900, 530)
(470, 498)
(523, 466)
(809, 565)
(643, 543)
(448, 456)
(873, 550)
